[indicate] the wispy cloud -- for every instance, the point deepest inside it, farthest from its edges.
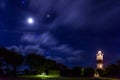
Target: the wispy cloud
(62, 12)
(37, 43)
(45, 39)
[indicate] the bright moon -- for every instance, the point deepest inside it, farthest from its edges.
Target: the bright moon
(30, 20)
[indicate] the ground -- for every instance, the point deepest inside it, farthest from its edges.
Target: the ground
(64, 78)
(57, 78)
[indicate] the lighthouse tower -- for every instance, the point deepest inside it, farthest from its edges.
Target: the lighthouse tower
(99, 58)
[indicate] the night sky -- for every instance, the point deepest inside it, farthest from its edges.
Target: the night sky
(68, 31)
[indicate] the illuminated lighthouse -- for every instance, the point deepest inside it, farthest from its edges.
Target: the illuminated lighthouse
(99, 58)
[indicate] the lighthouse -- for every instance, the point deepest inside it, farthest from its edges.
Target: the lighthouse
(99, 58)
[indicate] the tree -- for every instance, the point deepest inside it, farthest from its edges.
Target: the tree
(89, 72)
(14, 59)
(77, 71)
(111, 70)
(49, 64)
(11, 58)
(3, 53)
(35, 62)
(1, 64)
(118, 67)
(62, 68)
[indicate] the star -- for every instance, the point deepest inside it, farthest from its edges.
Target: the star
(23, 2)
(2, 4)
(48, 16)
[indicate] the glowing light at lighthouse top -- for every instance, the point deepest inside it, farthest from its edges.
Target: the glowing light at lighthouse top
(99, 55)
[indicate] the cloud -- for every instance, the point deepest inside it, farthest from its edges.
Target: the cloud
(58, 52)
(34, 49)
(74, 60)
(24, 50)
(13, 48)
(48, 40)
(82, 14)
(49, 57)
(78, 53)
(63, 49)
(61, 53)
(45, 39)
(59, 59)
(62, 12)
(29, 38)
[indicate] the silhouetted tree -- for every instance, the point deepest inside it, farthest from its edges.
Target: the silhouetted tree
(35, 62)
(3, 53)
(111, 70)
(11, 58)
(89, 72)
(77, 71)
(26, 71)
(49, 64)
(62, 68)
(14, 59)
(1, 65)
(118, 67)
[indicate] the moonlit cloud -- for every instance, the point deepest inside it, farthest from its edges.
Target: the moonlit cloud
(78, 13)
(30, 38)
(74, 59)
(48, 40)
(14, 48)
(24, 50)
(59, 59)
(45, 39)
(63, 49)
(61, 11)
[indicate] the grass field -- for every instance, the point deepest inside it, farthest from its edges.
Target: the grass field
(70, 79)
(63, 78)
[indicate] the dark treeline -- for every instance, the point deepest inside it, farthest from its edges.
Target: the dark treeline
(13, 63)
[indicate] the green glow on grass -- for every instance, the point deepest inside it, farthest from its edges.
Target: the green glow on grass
(44, 76)
(41, 76)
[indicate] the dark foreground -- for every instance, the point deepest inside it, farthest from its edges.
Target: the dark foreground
(60, 78)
